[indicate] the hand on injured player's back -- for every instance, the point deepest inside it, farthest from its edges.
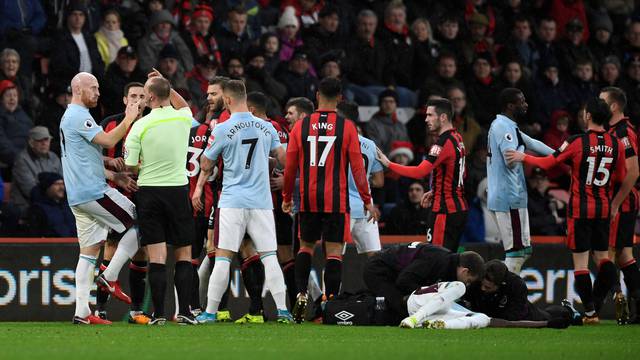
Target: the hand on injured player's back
(512, 156)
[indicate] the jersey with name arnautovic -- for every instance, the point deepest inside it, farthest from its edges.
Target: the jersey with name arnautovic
(371, 165)
(507, 187)
(244, 143)
(82, 163)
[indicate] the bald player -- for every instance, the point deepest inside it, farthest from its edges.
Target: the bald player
(95, 206)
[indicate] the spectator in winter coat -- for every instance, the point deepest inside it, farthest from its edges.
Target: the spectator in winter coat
(234, 38)
(610, 72)
(409, 218)
(552, 92)
(110, 37)
(75, 48)
(384, 128)
(401, 49)
(199, 37)
(20, 24)
(289, 30)
(161, 33)
(10, 70)
(122, 71)
(54, 108)
(543, 209)
(35, 159)
(298, 78)
(323, 39)
(198, 79)
(14, 124)
(50, 214)
(482, 90)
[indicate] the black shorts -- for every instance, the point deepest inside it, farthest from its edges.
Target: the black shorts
(623, 229)
(200, 237)
(284, 227)
(165, 215)
(329, 227)
(446, 229)
(587, 234)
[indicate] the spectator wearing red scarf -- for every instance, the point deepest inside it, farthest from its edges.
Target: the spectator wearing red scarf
(199, 37)
(401, 48)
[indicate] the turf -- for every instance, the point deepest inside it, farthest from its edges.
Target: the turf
(51, 341)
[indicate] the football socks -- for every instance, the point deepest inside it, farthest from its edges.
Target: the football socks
(218, 283)
(182, 278)
(274, 280)
(127, 247)
(303, 268)
(584, 289)
(84, 278)
(158, 285)
(253, 276)
(332, 275)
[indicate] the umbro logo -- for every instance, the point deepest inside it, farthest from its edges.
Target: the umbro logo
(344, 315)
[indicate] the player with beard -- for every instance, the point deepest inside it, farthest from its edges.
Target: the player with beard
(446, 159)
(95, 206)
(138, 266)
(623, 225)
(216, 114)
(507, 191)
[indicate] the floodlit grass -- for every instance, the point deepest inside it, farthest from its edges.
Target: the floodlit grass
(51, 341)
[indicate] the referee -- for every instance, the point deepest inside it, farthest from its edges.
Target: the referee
(156, 149)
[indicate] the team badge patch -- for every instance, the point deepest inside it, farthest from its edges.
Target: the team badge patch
(508, 137)
(435, 150)
(625, 142)
(88, 124)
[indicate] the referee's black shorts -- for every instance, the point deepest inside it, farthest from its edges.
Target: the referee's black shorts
(165, 215)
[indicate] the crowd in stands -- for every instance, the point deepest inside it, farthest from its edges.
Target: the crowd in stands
(388, 55)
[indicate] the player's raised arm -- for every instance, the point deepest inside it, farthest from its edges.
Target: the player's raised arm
(177, 101)
(535, 145)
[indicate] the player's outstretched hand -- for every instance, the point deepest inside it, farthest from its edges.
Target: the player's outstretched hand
(116, 164)
(374, 214)
(125, 181)
(427, 199)
(513, 156)
(382, 157)
(196, 199)
(287, 207)
(154, 73)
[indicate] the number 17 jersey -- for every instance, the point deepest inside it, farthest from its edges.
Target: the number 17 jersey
(244, 143)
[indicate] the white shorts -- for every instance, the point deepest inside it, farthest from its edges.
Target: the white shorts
(257, 223)
(450, 291)
(513, 228)
(365, 234)
(95, 218)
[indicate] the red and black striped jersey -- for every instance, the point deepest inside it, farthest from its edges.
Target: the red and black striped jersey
(198, 140)
(108, 124)
(626, 133)
(322, 147)
(597, 163)
(446, 159)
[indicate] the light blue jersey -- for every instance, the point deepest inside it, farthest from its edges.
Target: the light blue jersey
(507, 185)
(82, 164)
(371, 165)
(244, 142)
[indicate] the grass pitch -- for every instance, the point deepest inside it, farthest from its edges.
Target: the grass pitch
(52, 341)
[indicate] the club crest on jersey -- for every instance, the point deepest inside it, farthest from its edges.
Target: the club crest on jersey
(88, 124)
(435, 150)
(508, 137)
